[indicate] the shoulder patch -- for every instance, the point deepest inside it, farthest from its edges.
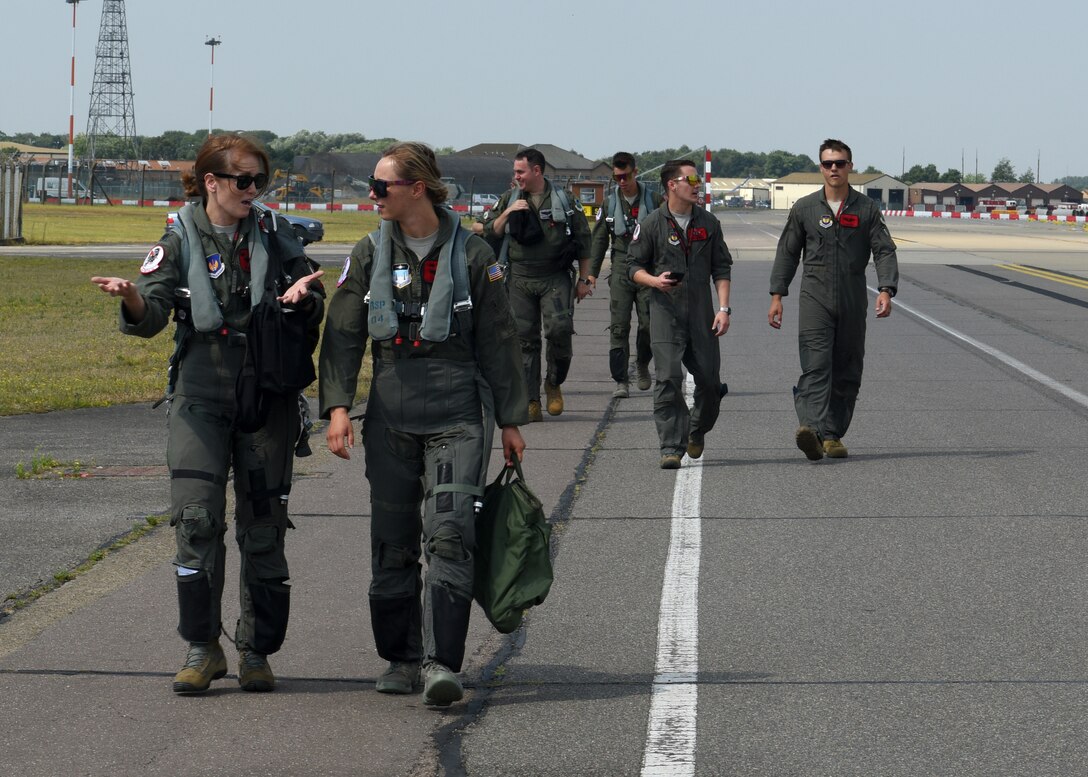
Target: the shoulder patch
(637, 232)
(600, 212)
(344, 275)
(494, 272)
(152, 260)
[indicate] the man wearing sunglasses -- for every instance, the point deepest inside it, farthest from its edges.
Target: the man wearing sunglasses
(627, 206)
(541, 232)
(679, 251)
(834, 231)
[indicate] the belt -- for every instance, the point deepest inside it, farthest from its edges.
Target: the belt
(224, 336)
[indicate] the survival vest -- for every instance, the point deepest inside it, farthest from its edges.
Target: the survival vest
(561, 212)
(644, 201)
(449, 294)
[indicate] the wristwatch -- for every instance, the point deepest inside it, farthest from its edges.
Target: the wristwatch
(584, 280)
(889, 289)
(726, 309)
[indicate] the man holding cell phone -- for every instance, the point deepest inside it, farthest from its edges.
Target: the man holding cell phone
(679, 251)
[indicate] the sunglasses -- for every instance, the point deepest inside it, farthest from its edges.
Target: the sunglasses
(693, 180)
(621, 177)
(245, 180)
(381, 188)
(827, 164)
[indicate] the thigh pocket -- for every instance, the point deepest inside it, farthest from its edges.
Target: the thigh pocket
(197, 536)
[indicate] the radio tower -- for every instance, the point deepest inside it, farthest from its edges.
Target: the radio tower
(111, 124)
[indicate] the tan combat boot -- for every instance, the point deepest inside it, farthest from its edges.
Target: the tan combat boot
(254, 673)
(534, 411)
(203, 663)
(555, 398)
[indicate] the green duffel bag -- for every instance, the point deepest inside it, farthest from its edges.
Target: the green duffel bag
(513, 559)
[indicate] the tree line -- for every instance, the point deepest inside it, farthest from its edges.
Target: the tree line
(725, 162)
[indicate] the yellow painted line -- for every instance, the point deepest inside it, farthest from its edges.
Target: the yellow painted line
(1068, 280)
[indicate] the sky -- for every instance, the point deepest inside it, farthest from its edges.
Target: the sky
(901, 83)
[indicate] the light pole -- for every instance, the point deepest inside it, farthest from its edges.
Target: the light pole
(213, 42)
(71, 102)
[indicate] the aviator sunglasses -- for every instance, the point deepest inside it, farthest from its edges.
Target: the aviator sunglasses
(381, 188)
(245, 180)
(829, 163)
(693, 180)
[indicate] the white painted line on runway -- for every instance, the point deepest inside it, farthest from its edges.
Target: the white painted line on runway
(670, 736)
(1031, 372)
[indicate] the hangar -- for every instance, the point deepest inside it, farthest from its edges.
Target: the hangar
(890, 192)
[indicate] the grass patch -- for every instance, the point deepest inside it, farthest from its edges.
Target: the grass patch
(61, 346)
(20, 600)
(62, 349)
(91, 224)
(42, 465)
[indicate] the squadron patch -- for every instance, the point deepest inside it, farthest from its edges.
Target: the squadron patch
(826, 222)
(152, 260)
(344, 275)
(674, 239)
(215, 266)
(401, 276)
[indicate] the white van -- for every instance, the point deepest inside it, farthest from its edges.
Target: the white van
(58, 187)
(487, 200)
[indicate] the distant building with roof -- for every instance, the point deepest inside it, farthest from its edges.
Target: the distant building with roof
(969, 196)
(890, 192)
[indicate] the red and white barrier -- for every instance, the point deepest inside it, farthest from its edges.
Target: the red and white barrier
(927, 214)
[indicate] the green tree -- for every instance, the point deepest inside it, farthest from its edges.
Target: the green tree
(1003, 172)
(1028, 176)
(919, 174)
(870, 170)
(952, 175)
(974, 178)
(1076, 181)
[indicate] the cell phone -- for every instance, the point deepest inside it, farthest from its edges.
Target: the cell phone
(676, 276)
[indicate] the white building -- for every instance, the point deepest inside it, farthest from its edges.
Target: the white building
(889, 192)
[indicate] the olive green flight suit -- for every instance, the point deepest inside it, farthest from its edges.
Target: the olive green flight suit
(204, 447)
(681, 319)
(834, 251)
(623, 293)
(542, 291)
(423, 429)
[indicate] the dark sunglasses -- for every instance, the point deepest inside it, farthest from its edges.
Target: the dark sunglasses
(381, 188)
(693, 180)
(839, 163)
(245, 180)
(621, 177)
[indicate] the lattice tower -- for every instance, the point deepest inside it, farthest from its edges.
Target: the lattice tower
(111, 115)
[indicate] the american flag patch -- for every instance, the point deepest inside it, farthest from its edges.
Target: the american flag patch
(494, 272)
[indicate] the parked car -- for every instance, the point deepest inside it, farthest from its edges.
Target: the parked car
(762, 204)
(307, 230)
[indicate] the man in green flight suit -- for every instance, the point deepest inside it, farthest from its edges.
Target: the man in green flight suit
(626, 206)
(678, 252)
(835, 230)
(542, 231)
